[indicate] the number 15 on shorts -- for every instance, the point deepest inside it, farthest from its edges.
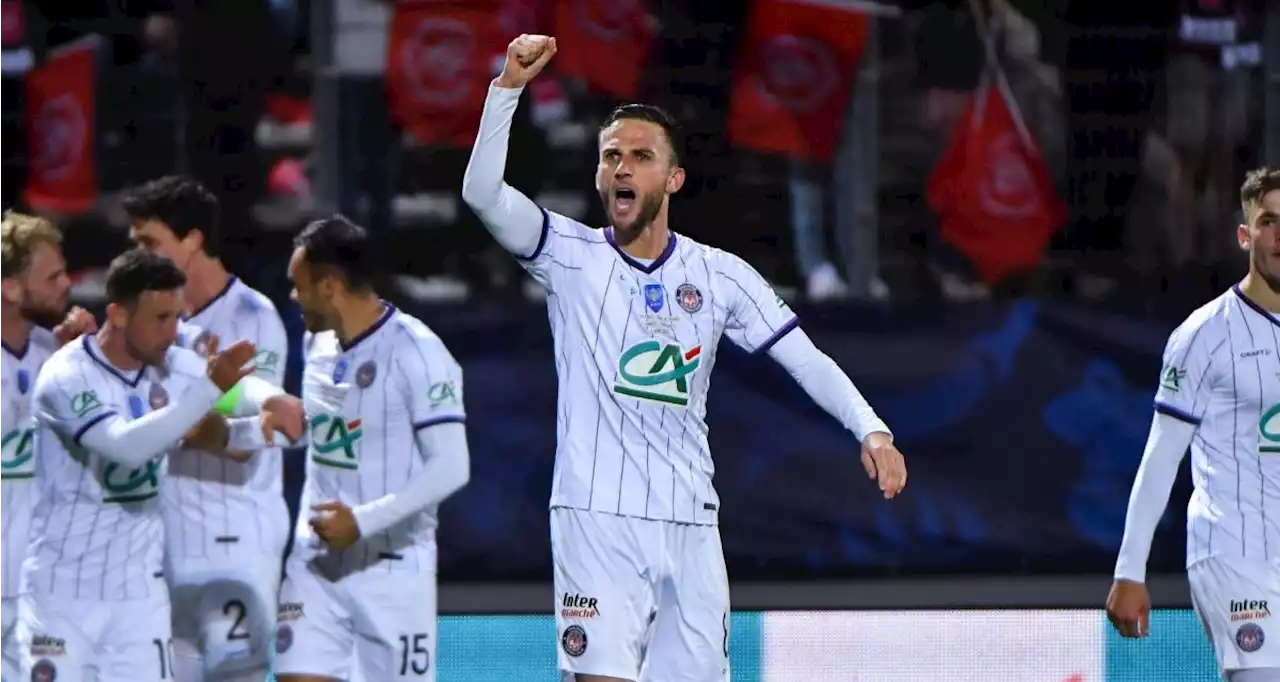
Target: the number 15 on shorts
(415, 654)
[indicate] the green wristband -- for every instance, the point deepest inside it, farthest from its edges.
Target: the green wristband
(226, 405)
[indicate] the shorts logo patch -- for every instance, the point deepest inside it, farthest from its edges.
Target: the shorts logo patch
(579, 606)
(290, 610)
(45, 645)
(44, 671)
(284, 637)
(574, 640)
(1250, 637)
(1249, 609)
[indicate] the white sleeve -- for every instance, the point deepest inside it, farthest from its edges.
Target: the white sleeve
(1166, 444)
(447, 469)
(272, 343)
(430, 381)
(827, 384)
(67, 404)
(513, 219)
(1187, 376)
(758, 317)
(255, 392)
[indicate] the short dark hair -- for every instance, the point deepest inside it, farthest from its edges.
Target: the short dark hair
(1257, 184)
(652, 114)
(138, 271)
(337, 245)
(179, 202)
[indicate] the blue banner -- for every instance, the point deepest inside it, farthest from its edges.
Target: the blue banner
(1022, 424)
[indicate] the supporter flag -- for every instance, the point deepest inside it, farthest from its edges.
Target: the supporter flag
(992, 191)
(793, 75)
(59, 122)
(603, 42)
(439, 63)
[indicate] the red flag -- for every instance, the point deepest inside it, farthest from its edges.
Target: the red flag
(992, 191)
(439, 65)
(792, 80)
(60, 131)
(604, 42)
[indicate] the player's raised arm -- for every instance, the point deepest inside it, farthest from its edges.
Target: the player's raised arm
(1179, 406)
(513, 219)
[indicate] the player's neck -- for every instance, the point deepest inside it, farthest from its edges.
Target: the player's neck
(648, 242)
(357, 315)
(111, 343)
(1260, 292)
(206, 278)
(15, 329)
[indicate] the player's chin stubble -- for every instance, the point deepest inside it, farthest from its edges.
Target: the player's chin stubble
(650, 205)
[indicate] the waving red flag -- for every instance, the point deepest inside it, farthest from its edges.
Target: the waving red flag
(793, 75)
(59, 121)
(604, 42)
(439, 64)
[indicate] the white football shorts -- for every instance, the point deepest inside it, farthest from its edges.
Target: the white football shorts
(639, 599)
(369, 625)
(69, 640)
(1237, 601)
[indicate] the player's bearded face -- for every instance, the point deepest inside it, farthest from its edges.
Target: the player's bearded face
(152, 325)
(635, 173)
(1263, 236)
(44, 287)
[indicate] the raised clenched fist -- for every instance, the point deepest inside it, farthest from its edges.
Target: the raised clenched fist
(526, 56)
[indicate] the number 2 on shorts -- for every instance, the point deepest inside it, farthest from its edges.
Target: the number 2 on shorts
(238, 630)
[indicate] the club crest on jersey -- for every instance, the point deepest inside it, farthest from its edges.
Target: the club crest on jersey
(366, 373)
(689, 298)
(157, 397)
(201, 343)
(654, 297)
(650, 370)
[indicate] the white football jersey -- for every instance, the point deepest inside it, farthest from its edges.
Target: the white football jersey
(365, 403)
(18, 467)
(1222, 372)
(97, 531)
(634, 344)
(215, 506)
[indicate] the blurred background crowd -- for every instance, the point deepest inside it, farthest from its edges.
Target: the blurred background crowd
(991, 213)
(1113, 133)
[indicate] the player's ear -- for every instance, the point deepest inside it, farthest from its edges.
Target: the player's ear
(1242, 237)
(117, 314)
(194, 240)
(11, 289)
(675, 180)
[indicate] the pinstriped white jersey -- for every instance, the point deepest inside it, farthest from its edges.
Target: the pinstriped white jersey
(97, 532)
(21, 368)
(1222, 372)
(365, 403)
(215, 506)
(634, 346)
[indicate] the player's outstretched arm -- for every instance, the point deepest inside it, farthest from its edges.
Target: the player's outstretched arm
(513, 219)
(835, 392)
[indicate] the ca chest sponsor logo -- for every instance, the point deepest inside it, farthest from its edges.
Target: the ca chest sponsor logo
(579, 606)
(1249, 609)
(18, 460)
(334, 441)
(658, 372)
(1269, 431)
